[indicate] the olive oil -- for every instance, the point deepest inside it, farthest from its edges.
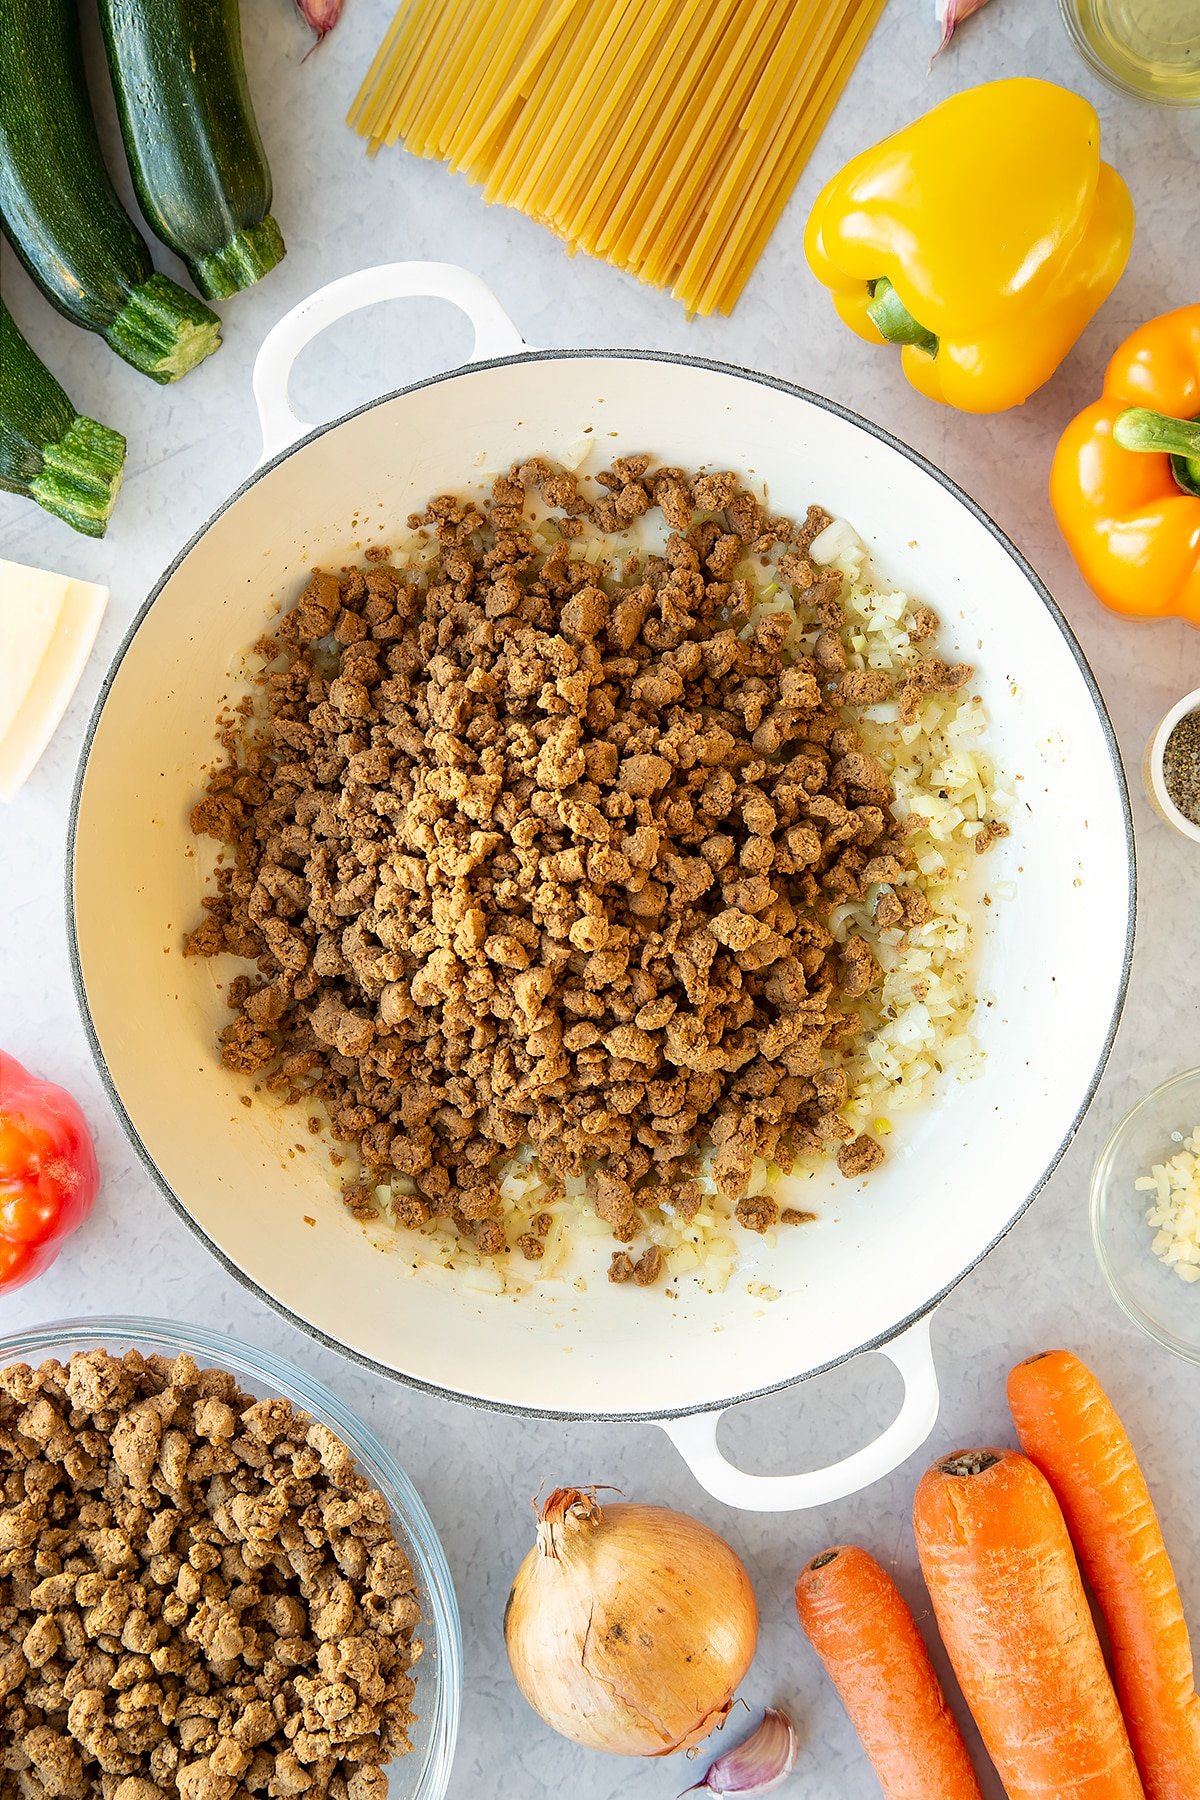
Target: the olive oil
(1147, 47)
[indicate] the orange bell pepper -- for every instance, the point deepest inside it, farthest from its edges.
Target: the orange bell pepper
(1125, 482)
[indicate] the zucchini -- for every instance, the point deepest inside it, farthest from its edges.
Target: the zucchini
(49, 452)
(197, 160)
(61, 211)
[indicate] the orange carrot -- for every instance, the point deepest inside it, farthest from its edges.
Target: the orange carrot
(1014, 1618)
(860, 1627)
(1070, 1428)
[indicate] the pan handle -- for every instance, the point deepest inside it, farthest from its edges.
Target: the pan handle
(495, 333)
(695, 1438)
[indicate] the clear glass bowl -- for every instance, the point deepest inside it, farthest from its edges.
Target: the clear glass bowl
(1154, 1297)
(424, 1774)
(1147, 48)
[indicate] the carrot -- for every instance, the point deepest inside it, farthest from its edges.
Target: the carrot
(1070, 1428)
(859, 1625)
(1014, 1618)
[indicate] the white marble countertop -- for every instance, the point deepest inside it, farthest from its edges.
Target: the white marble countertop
(190, 444)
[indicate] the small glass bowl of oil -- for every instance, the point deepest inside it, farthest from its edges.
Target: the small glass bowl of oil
(1148, 48)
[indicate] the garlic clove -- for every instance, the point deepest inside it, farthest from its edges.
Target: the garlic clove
(322, 15)
(756, 1765)
(950, 15)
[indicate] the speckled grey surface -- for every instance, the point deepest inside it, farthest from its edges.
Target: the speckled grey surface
(189, 445)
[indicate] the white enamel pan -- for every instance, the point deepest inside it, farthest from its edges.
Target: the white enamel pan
(1053, 959)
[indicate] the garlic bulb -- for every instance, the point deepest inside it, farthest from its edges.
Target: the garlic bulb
(629, 1627)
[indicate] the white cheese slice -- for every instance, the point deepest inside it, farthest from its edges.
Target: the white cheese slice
(31, 603)
(48, 625)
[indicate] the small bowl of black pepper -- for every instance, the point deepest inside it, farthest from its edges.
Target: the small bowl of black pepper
(1172, 767)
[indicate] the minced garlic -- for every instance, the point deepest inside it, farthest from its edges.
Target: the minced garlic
(1175, 1211)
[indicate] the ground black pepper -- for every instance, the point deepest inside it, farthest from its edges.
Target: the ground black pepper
(1181, 766)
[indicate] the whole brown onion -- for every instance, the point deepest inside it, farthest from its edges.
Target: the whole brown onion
(628, 1627)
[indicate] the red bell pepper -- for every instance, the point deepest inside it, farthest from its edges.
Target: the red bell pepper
(49, 1178)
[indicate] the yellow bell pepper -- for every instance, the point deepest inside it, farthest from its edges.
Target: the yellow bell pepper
(982, 238)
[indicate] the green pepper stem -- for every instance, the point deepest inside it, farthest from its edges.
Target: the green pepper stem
(894, 321)
(1138, 428)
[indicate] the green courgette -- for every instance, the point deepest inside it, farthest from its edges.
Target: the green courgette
(61, 211)
(49, 452)
(194, 151)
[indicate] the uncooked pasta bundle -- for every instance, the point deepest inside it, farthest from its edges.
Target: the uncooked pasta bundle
(662, 135)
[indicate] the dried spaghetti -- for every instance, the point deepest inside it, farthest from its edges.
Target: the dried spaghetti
(662, 135)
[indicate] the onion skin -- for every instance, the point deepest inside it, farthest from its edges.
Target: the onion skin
(629, 1627)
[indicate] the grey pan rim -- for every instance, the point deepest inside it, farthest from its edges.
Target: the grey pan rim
(712, 366)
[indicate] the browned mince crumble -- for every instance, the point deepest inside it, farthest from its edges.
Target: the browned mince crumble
(200, 1594)
(529, 850)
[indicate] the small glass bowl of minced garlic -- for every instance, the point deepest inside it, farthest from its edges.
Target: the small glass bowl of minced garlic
(1172, 767)
(1146, 1214)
